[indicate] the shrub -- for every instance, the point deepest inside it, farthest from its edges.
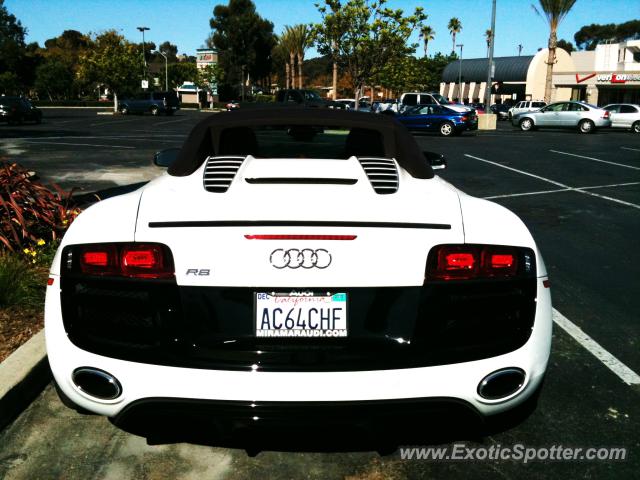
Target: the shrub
(20, 283)
(265, 98)
(31, 213)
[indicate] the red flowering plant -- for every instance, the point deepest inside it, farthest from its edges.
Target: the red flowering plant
(32, 216)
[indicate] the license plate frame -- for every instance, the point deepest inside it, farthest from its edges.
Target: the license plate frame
(302, 314)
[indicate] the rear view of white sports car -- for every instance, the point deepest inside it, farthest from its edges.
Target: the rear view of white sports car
(297, 264)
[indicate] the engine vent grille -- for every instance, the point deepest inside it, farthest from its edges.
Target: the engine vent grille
(219, 172)
(382, 173)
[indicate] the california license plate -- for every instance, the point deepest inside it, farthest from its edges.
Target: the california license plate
(301, 314)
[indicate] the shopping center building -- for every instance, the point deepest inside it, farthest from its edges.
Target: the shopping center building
(608, 74)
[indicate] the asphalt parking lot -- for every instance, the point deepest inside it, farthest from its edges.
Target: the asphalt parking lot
(578, 194)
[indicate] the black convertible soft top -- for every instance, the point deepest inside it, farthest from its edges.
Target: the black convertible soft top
(204, 139)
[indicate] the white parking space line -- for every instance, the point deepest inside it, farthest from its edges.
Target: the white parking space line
(566, 187)
(172, 121)
(613, 185)
(632, 149)
(525, 194)
(627, 375)
(596, 160)
(79, 144)
(542, 192)
(111, 122)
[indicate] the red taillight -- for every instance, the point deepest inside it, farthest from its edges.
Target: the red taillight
(459, 261)
(95, 259)
(464, 119)
(501, 261)
(126, 260)
(99, 260)
(463, 262)
(455, 261)
(606, 114)
(144, 261)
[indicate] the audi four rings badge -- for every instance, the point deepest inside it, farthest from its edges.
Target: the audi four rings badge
(305, 258)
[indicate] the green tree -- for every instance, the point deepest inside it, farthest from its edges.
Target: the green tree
(488, 34)
(240, 36)
(9, 83)
(65, 50)
(209, 77)
(454, 27)
(12, 53)
(329, 34)
(554, 12)
(566, 46)
(374, 35)
(288, 42)
(113, 62)
(170, 50)
(179, 73)
(427, 34)
(304, 39)
(54, 79)
(280, 56)
(409, 73)
(589, 36)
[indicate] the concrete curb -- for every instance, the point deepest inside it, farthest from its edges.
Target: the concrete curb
(23, 375)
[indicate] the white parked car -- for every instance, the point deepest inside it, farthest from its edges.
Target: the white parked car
(411, 99)
(297, 265)
(525, 106)
(625, 115)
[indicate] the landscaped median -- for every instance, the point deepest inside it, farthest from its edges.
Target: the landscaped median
(33, 219)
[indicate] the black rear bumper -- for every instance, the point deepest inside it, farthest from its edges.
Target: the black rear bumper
(328, 426)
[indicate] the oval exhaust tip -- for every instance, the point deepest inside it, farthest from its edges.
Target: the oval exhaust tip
(501, 383)
(97, 383)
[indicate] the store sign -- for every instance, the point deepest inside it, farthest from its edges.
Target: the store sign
(585, 78)
(618, 77)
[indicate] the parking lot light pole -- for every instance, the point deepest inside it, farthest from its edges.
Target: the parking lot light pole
(166, 70)
(460, 74)
(490, 72)
(144, 57)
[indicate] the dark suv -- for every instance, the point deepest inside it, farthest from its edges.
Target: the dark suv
(16, 110)
(153, 102)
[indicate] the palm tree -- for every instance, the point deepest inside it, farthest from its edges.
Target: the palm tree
(554, 12)
(280, 56)
(288, 41)
(426, 34)
(303, 40)
(455, 27)
(488, 34)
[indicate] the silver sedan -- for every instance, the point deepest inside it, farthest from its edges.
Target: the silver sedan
(583, 116)
(625, 115)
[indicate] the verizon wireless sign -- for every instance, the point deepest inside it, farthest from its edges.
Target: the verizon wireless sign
(618, 77)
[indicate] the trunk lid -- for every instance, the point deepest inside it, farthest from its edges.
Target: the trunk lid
(209, 231)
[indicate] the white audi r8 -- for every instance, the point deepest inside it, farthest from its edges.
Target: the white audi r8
(295, 264)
